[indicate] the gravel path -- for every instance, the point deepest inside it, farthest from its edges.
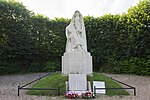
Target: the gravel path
(142, 84)
(9, 83)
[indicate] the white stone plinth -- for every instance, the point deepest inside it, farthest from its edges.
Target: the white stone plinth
(77, 63)
(77, 82)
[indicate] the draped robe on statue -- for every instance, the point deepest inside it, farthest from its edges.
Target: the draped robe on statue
(75, 33)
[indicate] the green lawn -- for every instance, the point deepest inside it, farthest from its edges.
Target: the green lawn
(56, 80)
(52, 81)
(109, 84)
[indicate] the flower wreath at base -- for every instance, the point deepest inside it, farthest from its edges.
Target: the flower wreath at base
(71, 95)
(86, 95)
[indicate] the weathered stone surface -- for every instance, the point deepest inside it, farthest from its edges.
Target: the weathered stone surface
(75, 34)
(77, 63)
(77, 82)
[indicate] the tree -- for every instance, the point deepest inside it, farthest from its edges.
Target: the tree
(139, 20)
(14, 28)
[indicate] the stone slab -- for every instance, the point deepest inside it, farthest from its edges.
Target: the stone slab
(77, 63)
(77, 82)
(99, 84)
(78, 92)
(89, 86)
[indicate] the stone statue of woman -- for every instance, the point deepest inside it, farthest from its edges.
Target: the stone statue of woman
(75, 33)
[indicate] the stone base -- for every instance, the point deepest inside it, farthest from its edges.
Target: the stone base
(77, 82)
(77, 63)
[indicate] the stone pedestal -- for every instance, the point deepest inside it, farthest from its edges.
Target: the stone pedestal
(77, 63)
(77, 82)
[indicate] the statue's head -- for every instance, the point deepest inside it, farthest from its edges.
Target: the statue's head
(77, 13)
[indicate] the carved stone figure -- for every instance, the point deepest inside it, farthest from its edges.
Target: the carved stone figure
(76, 59)
(76, 35)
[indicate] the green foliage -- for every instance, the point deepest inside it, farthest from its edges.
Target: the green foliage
(122, 38)
(52, 66)
(36, 66)
(138, 66)
(9, 68)
(139, 20)
(134, 65)
(14, 34)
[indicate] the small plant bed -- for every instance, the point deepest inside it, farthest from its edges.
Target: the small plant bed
(56, 80)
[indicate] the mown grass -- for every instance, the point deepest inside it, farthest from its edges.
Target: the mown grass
(56, 80)
(52, 81)
(109, 83)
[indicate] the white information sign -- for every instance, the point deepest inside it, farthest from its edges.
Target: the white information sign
(99, 84)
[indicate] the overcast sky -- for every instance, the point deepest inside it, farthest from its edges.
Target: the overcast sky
(66, 8)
